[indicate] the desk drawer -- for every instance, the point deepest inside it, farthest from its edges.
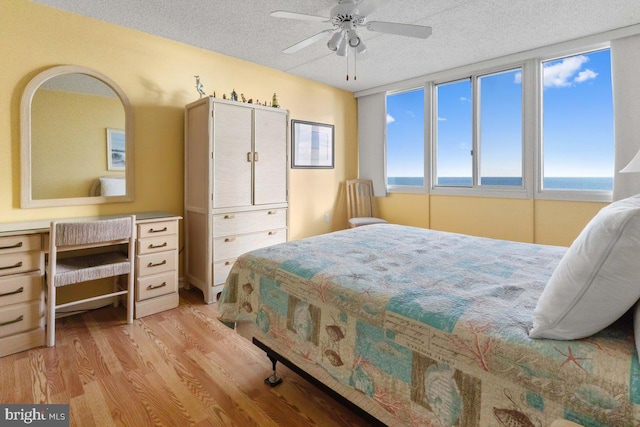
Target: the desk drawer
(160, 262)
(22, 243)
(249, 222)
(150, 245)
(19, 262)
(233, 246)
(158, 228)
(21, 288)
(156, 285)
(18, 318)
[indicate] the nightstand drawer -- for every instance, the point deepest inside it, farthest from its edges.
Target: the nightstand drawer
(18, 318)
(21, 288)
(159, 228)
(233, 246)
(249, 222)
(19, 262)
(22, 243)
(156, 285)
(160, 262)
(150, 245)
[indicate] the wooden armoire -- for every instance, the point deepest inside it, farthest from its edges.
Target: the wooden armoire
(236, 186)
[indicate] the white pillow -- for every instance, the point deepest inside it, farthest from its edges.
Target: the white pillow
(597, 280)
(110, 186)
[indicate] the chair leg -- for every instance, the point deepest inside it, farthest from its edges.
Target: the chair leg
(130, 298)
(51, 316)
(116, 287)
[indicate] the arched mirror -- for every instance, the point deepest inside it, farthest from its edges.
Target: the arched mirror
(76, 139)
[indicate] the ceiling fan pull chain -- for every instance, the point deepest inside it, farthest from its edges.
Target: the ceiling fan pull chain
(355, 64)
(347, 57)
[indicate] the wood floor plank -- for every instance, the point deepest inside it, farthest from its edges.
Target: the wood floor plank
(176, 368)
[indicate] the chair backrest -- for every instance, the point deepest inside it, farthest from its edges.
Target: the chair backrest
(359, 198)
(89, 233)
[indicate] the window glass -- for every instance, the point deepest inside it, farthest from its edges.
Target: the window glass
(454, 108)
(500, 133)
(405, 138)
(577, 119)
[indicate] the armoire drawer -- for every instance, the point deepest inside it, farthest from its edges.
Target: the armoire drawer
(249, 222)
(154, 244)
(21, 288)
(21, 243)
(156, 285)
(157, 228)
(21, 317)
(19, 262)
(233, 246)
(221, 270)
(160, 262)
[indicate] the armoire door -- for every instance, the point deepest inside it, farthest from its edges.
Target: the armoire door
(270, 160)
(233, 156)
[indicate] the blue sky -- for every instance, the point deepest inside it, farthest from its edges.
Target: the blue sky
(577, 115)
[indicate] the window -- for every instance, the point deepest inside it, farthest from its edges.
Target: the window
(498, 133)
(454, 125)
(405, 138)
(577, 117)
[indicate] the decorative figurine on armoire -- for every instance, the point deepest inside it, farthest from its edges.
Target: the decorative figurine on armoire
(274, 102)
(234, 95)
(199, 86)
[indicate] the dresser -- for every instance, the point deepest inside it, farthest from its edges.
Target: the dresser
(23, 247)
(236, 186)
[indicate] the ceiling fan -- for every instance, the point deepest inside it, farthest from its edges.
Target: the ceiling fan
(346, 17)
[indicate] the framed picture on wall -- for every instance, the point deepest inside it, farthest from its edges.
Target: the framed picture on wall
(115, 150)
(311, 145)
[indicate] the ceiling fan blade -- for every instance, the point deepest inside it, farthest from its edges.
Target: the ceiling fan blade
(366, 7)
(409, 30)
(300, 16)
(307, 42)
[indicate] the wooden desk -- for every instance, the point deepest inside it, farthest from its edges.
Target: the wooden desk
(23, 246)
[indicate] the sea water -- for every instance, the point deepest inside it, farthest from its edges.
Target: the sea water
(563, 183)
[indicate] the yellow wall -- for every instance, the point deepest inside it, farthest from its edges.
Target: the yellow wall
(534, 221)
(157, 76)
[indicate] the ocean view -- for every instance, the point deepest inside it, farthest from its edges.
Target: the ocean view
(564, 183)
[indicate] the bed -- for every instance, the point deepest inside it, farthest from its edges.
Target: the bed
(426, 328)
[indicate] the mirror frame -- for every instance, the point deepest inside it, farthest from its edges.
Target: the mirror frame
(25, 141)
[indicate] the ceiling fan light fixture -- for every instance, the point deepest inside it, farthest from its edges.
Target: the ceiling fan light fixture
(361, 48)
(352, 38)
(333, 42)
(342, 47)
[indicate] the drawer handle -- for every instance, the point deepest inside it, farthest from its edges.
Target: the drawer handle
(229, 239)
(229, 216)
(153, 230)
(19, 291)
(225, 263)
(152, 287)
(271, 233)
(17, 245)
(10, 322)
(158, 264)
(16, 265)
(272, 212)
(152, 246)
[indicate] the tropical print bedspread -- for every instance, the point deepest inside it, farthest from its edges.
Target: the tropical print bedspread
(432, 328)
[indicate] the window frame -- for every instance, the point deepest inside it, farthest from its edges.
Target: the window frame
(532, 145)
(560, 194)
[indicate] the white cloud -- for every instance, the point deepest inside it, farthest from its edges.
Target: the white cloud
(561, 74)
(390, 119)
(442, 119)
(585, 75)
(518, 78)
(464, 99)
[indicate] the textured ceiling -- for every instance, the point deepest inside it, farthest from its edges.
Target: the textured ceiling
(464, 31)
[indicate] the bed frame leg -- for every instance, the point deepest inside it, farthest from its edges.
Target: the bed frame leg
(273, 379)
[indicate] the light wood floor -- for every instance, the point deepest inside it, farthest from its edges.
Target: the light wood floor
(176, 368)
